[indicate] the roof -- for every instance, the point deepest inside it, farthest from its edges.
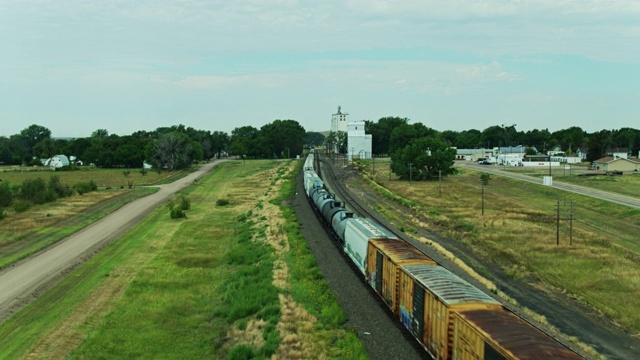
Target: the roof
(447, 286)
(516, 336)
(370, 228)
(610, 159)
(400, 250)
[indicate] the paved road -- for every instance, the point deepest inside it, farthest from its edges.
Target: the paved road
(25, 280)
(630, 201)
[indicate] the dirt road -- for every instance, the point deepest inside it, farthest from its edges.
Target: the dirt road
(25, 280)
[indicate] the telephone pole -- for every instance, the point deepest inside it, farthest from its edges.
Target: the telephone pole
(564, 212)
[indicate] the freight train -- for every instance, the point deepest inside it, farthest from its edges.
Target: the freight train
(450, 318)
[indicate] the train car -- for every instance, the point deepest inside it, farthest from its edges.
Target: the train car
(312, 181)
(321, 199)
(330, 209)
(339, 225)
(428, 298)
(384, 258)
(357, 234)
(501, 335)
(308, 163)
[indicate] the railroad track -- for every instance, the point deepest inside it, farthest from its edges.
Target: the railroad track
(335, 183)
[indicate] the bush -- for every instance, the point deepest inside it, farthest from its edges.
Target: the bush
(21, 205)
(85, 187)
(6, 196)
(177, 213)
(222, 202)
(2, 214)
(184, 203)
(35, 191)
(56, 186)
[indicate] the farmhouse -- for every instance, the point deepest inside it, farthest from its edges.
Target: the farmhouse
(610, 163)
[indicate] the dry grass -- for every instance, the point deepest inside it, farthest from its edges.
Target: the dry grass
(19, 224)
(518, 232)
(296, 325)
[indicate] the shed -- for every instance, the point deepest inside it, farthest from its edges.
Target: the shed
(58, 161)
(610, 163)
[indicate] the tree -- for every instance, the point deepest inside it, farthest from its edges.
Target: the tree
(336, 142)
(35, 134)
(171, 151)
(530, 151)
(405, 134)
(381, 132)
(572, 137)
(598, 144)
(100, 134)
(313, 139)
(281, 138)
(243, 141)
(424, 158)
(219, 143)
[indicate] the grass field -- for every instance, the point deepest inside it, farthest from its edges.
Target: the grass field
(229, 281)
(112, 178)
(24, 233)
(518, 232)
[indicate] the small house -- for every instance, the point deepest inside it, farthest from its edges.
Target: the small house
(610, 163)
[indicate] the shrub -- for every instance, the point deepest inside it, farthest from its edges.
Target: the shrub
(184, 203)
(222, 202)
(56, 186)
(85, 187)
(21, 205)
(6, 196)
(35, 191)
(2, 214)
(177, 213)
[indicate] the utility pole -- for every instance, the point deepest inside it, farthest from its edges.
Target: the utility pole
(562, 213)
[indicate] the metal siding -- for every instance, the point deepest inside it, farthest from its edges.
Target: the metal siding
(405, 303)
(395, 253)
(356, 242)
(448, 287)
(379, 275)
(418, 315)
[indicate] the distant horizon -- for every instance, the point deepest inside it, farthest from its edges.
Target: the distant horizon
(77, 66)
(53, 136)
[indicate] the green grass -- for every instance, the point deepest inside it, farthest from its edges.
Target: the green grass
(173, 288)
(25, 242)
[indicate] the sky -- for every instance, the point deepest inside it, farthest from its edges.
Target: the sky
(78, 66)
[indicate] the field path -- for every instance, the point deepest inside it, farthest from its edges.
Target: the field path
(23, 281)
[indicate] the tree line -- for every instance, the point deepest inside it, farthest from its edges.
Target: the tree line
(174, 147)
(596, 144)
(410, 146)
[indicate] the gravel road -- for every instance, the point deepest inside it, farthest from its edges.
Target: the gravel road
(630, 201)
(23, 281)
